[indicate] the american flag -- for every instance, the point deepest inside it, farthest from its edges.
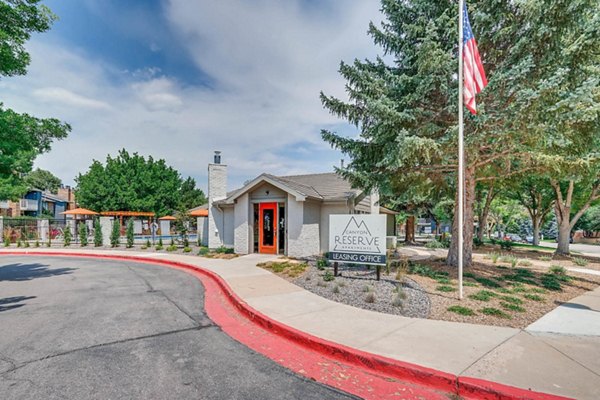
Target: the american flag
(474, 75)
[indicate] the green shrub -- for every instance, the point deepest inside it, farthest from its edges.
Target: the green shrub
(187, 249)
(551, 282)
(160, 242)
(37, 243)
(483, 295)
(171, 247)
(148, 245)
(511, 307)
(27, 244)
(143, 247)
(129, 233)
(512, 260)
(560, 273)
(487, 282)
(445, 288)
(97, 233)
(83, 234)
(461, 310)
(427, 271)
(512, 300)
(525, 263)
(203, 251)
(495, 312)
(545, 258)
(186, 241)
(67, 236)
(6, 241)
(159, 247)
(322, 263)
(328, 276)
(506, 245)
(494, 257)
(19, 244)
(224, 250)
(582, 262)
(533, 297)
(471, 284)
(115, 233)
(477, 242)
(434, 244)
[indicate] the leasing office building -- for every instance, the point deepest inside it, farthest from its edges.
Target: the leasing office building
(280, 214)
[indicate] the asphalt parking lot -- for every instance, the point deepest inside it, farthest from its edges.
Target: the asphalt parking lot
(73, 328)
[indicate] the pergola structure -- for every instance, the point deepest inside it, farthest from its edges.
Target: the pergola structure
(122, 214)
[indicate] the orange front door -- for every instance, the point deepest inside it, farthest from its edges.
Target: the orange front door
(267, 228)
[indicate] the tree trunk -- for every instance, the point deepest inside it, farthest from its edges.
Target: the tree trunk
(536, 230)
(564, 236)
(469, 200)
(410, 230)
(484, 213)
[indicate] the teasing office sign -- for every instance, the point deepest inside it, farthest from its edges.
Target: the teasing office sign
(357, 238)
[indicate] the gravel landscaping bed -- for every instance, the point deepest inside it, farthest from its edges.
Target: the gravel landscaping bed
(357, 286)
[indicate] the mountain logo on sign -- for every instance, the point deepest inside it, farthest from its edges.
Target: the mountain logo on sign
(361, 233)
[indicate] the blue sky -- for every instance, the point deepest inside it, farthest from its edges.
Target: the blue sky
(178, 79)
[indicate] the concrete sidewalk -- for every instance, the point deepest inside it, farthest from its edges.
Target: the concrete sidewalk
(536, 358)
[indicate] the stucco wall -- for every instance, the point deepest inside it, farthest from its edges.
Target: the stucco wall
(295, 216)
(275, 194)
(203, 230)
(326, 211)
(241, 225)
(228, 226)
(303, 227)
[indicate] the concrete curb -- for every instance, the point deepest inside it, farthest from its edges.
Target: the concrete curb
(469, 388)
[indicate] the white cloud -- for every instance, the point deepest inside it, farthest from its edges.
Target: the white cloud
(68, 98)
(268, 61)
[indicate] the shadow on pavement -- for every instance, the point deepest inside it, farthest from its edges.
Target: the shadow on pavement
(9, 303)
(27, 272)
(578, 306)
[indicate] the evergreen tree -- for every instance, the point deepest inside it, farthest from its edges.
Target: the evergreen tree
(83, 234)
(115, 233)
(534, 53)
(129, 233)
(97, 233)
(550, 229)
(67, 235)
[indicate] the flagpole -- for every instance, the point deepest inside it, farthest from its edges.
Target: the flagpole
(461, 178)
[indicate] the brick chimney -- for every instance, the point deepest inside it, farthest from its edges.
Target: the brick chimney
(217, 190)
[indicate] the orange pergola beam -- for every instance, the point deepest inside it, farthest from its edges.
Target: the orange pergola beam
(127, 214)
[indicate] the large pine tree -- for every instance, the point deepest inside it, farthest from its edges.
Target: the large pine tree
(406, 110)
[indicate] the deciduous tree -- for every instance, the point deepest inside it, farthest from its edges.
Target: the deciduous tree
(22, 137)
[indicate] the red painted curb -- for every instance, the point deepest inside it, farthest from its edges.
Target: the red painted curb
(470, 388)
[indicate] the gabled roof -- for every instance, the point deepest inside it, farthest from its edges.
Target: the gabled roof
(326, 187)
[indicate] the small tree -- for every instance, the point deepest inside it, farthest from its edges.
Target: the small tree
(67, 236)
(83, 234)
(97, 233)
(129, 233)
(182, 224)
(115, 234)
